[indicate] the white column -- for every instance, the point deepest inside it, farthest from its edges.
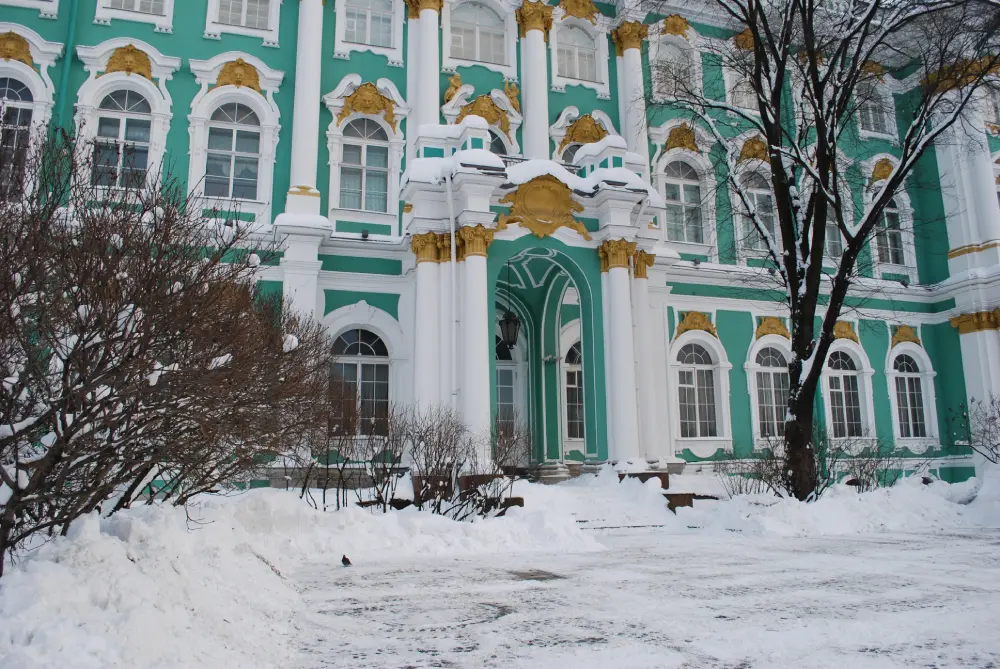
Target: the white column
(412, 89)
(628, 42)
(426, 322)
(644, 368)
(625, 440)
(303, 197)
(446, 347)
(300, 267)
(979, 334)
(429, 69)
(982, 193)
(476, 338)
(535, 19)
(606, 328)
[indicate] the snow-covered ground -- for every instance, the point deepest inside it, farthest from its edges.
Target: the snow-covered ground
(591, 573)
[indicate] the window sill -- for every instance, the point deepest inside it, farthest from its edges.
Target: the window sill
(215, 30)
(559, 84)
(344, 49)
(163, 22)
(449, 65)
(693, 248)
(917, 445)
(884, 136)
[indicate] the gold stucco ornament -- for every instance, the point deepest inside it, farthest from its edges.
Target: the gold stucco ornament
(676, 25)
(615, 253)
(641, 264)
(754, 148)
(513, 93)
(682, 137)
(744, 40)
(882, 170)
(979, 321)
(414, 7)
(629, 35)
(542, 206)
(15, 47)
(584, 130)
(581, 9)
(485, 107)
(367, 100)
(844, 330)
(534, 16)
(476, 239)
(772, 325)
(696, 320)
(905, 333)
(425, 247)
(239, 73)
(454, 83)
(130, 60)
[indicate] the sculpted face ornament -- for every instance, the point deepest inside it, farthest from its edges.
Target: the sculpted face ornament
(366, 99)
(542, 205)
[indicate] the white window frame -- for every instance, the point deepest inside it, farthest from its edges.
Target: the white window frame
(778, 343)
(366, 145)
(926, 375)
(101, 84)
(891, 134)
(599, 33)
(358, 360)
(210, 98)
(44, 55)
(662, 179)
(335, 139)
(865, 374)
(47, 9)
(569, 335)
(505, 9)
(557, 131)
(104, 13)
(214, 29)
(343, 49)
(740, 219)
(909, 269)
(660, 42)
(369, 317)
(702, 447)
(120, 142)
(732, 78)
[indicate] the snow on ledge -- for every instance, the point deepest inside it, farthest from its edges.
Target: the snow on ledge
(434, 170)
(595, 149)
(452, 130)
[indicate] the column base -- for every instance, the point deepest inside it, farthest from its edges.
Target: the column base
(591, 467)
(553, 472)
(302, 200)
(575, 468)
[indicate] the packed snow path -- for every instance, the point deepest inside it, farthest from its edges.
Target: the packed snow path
(662, 600)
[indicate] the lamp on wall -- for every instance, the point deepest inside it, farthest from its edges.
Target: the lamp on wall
(510, 324)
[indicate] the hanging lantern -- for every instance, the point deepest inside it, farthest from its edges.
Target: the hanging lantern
(510, 325)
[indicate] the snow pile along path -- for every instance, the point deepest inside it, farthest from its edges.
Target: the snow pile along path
(151, 588)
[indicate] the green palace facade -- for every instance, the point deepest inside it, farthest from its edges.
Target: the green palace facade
(430, 167)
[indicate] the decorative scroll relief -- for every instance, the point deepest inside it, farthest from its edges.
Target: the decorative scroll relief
(542, 206)
(485, 107)
(772, 325)
(367, 100)
(584, 130)
(844, 330)
(513, 94)
(581, 9)
(696, 320)
(15, 47)
(239, 73)
(905, 333)
(682, 137)
(130, 60)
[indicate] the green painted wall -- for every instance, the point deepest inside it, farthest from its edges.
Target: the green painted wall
(335, 299)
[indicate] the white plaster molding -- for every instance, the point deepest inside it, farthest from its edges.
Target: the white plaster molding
(557, 131)
(104, 13)
(343, 49)
(505, 8)
(766, 341)
(269, 35)
(47, 9)
(599, 33)
(865, 372)
(702, 447)
(691, 46)
(466, 94)
(44, 54)
(916, 445)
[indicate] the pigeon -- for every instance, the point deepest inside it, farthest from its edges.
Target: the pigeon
(344, 561)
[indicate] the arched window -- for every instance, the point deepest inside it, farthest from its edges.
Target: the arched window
(574, 392)
(15, 135)
(909, 397)
(889, 236)
(497, 145)
(360, 377)
(233, 161)
(577, 54)
(121, 151)
(844, 384)
(758, 192)
(477, 33)
(874, 112)
(675, 71)
(682, 192)
(772, 392)
(364, 171)
(696, 392)
(369, 22)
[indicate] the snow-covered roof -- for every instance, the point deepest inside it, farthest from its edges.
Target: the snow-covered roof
(595, 149)
(433, 170)
(453, 130)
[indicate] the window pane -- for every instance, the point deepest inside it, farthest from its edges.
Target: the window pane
(352, 154)
(220, 139)
(350, 188)
(377, 156)
(108, 127)
(247, 142)
(136, 130)
(355, 26)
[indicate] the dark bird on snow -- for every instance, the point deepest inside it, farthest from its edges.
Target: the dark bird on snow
(344, 561)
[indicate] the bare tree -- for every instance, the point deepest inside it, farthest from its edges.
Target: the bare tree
(440, 446)
(135, 347)
(978, 425)
(804, 72)
(381, 453)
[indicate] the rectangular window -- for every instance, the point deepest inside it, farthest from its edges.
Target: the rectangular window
(369, 22)
(910, 401)
(845, 406)
(246, 13)
(834, 245)
(141, 6)
(889, 240)
(574, 404)
(231, 168)
(505, 399)
(764, 207)
(696, 399)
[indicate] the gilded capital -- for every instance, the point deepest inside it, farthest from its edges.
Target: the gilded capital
(618, 252)
(425, 247)
(641, 264)
(979, 321)
(534, 16)
(444, 247)
(477, 239)
(414, 7)
(629, 35)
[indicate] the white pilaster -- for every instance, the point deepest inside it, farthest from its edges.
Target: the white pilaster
(300, 267)
(643, 367)
(606, 328)
(476, 337)
(303, 198)
(634, 126)
(982, 193)
(426, 386)
(412, 89)
(446, 345)
(536, 95)
(428, 66)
